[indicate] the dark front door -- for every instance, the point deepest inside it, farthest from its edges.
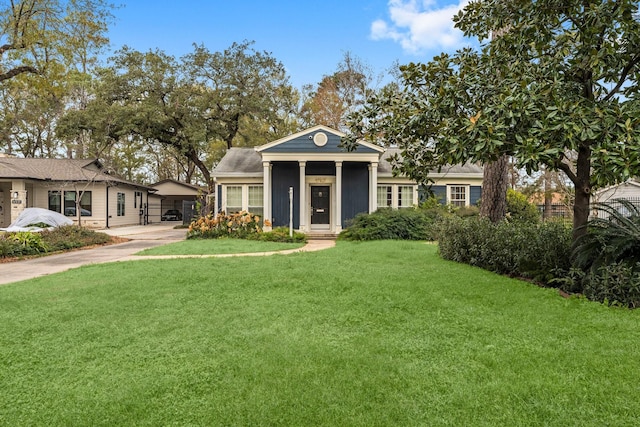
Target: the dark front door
(320, 204)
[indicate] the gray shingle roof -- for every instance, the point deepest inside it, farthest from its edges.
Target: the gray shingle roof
(247, 162)
(239, 161)
(57, 170)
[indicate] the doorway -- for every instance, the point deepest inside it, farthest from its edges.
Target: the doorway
(320, 206)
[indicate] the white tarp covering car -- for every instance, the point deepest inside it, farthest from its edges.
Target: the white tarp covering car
(37, 216)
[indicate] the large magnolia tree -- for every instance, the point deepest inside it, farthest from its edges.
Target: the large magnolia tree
(559, 89)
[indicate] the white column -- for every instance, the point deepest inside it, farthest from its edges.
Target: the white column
(338, 209)
(303, 196)
(373, 174)
(19, 199)
(266, 192)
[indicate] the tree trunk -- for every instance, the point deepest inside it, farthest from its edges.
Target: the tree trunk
(548, 194)
(495, 182)
(582, 182)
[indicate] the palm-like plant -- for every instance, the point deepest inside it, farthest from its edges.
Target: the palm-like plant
(612, 237)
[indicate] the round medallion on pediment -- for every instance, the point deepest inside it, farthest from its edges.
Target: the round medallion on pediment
(320, 139)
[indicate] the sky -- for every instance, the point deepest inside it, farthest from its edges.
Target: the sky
(309, 37)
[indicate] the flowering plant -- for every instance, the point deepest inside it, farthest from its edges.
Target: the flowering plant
(239, 225)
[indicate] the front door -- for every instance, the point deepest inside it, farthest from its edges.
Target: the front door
(320, 206)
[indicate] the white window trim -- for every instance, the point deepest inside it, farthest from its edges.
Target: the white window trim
(467, 196)
(395, 189)
(245, 195)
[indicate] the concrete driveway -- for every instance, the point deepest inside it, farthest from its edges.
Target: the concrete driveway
(142, 237)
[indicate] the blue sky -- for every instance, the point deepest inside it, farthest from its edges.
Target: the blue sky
(308, 37)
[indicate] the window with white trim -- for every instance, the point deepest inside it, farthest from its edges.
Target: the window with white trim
(120, 204)
(405, 196)
(234, 199)
(458, 195)
(385, 196)
(255, 199)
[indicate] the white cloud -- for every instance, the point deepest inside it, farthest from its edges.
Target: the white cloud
(420, 25)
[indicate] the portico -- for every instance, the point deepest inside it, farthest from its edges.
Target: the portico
(330, 185)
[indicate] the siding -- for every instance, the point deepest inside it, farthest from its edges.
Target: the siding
(440, 192)
(283, 176)
(304, 144)
(355, 190)
(475, 192)
(320, 168)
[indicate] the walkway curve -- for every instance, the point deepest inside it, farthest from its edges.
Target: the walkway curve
(141, 237)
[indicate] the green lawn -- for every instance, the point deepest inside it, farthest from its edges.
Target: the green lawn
(218, 246)
(364, 334)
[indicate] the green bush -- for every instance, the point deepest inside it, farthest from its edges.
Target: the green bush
(613, 236)
(57, 239)
(280, 234)
(73, 236)
(537, 251)
(31, 243)
(9, 247)
(393, 224)
(520, 209)
(617, 283)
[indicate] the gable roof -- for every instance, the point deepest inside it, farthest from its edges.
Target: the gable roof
(58, 170)
(165, 186)
(311, 140)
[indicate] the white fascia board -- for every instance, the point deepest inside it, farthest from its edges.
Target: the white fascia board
(297, 135)
(330, 157)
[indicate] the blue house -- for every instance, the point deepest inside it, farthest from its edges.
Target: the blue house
(330, 185)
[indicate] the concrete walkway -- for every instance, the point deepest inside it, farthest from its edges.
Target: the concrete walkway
(142, 237)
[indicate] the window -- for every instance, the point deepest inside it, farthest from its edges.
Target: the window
(234, 198)
(385, 199)
(256, 200)
(120, 209)
(458, 195)
(55, 201)
(70, 203)
(405, 196)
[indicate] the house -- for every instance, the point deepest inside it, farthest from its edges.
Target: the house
(328, 185)
(628, 190)
(180, 196)
(55, 184)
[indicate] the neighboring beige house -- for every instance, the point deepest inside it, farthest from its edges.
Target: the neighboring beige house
(55, 184)
(176, 195)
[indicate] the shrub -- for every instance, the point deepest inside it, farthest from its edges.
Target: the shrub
(537, 251)
(31, 243)
(520, 209)
(73, 236)
(9, 247)
(617, 283)
(56, 239)
(610, 238)
(395, 224)
(241, 225)
(280, 234)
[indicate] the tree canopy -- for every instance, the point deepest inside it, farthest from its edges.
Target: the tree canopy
(558, 88)
(188, 105)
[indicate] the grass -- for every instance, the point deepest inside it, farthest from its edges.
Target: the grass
(218, 246)
(365, 334)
